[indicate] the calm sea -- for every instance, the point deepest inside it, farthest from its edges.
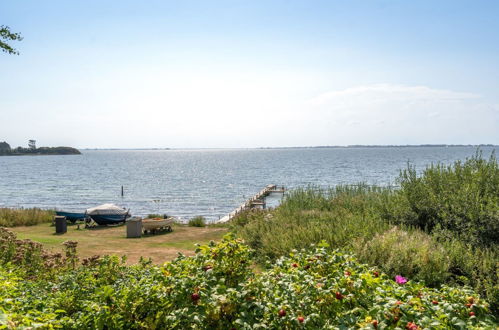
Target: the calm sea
(211, 183)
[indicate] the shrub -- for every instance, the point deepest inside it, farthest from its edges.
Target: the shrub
(330, 289)
(24, 217)
(155, 215)
(472, 265)
(410, 253)
(197, 222)
(216, 289)
(32, 257)
(463, 198)
(340, 216)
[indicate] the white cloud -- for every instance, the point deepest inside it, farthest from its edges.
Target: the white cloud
(378, 93)
(250, 110)
(400, 114)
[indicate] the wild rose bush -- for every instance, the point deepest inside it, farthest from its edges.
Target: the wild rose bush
(219, 289)
(329, 289)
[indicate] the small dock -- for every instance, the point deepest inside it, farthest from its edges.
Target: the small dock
(257, 201)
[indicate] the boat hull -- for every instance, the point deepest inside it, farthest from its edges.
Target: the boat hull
(109, 219)
(71, 216)
(152, 224)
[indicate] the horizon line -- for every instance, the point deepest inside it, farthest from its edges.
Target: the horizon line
(300, 147)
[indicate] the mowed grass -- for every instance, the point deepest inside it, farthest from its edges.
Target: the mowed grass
(112, 241)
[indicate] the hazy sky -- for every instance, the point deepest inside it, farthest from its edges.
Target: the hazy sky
(250, 73)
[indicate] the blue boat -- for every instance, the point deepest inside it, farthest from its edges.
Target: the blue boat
(109, 219)
(108, 214)
(72, 216)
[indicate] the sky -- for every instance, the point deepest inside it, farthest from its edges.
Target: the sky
(243, 74)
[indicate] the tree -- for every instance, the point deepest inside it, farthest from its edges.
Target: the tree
(4, 148)
(7, 36)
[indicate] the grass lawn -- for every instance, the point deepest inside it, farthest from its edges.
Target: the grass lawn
(112, 240)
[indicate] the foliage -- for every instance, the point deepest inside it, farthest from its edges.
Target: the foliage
(340, 216)
(154, 215)
(198, 221)
(57, 151)
(463, 198)
(6, 150)
(276, 233)
(330, 289)
(6, 36)
(45, 151)
(24, 217)
(31, 256)
(217, 289)
(411, 253)
(450, 246)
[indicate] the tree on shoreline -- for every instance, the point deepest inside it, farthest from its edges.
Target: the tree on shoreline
(6, 36)
(4, 148)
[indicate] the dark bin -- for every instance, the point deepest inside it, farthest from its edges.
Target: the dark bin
(61, 225)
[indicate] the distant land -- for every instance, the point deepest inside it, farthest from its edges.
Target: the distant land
(125, 148)
(409, 145)
(311, 147)
(389, 146)
(6, 150)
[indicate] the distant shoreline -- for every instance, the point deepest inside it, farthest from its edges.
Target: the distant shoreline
(12, 155)
(309, 147)
(6, 150)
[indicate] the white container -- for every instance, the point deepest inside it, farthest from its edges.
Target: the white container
(134, 227)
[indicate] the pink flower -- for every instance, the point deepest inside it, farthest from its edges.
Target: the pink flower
(400, 279)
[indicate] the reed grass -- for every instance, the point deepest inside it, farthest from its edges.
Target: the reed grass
(155, 215)
(198, 221)
(10, 217)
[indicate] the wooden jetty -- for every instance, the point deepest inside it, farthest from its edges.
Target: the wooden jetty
(257, 200)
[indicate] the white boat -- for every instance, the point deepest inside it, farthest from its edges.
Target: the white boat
(107, 214)
(154, 224)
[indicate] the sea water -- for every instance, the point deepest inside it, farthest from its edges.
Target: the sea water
(207, 182)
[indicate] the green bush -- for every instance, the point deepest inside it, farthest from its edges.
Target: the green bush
(276, 234)
(315, 288)
(332, 290)
(410, 253)
(472, 265)
(24, 217)
(340, 216)
(463, 198)
(155, 215)
(197, 222)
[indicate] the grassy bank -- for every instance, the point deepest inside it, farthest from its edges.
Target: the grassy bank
(440, 227)
(24, 217)
(113, 241)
